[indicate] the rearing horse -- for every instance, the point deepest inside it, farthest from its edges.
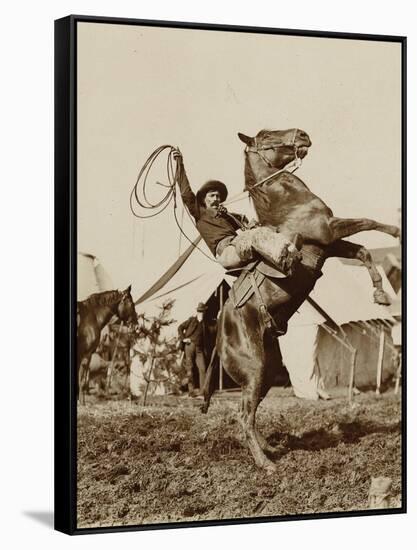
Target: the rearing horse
(93, 314)
(248, 349)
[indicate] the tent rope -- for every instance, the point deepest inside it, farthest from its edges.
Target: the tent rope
(344, 341)
(375, 339)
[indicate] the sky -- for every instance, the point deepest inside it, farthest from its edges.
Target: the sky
(139, 88)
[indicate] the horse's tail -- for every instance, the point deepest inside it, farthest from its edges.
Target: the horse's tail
(208, 389)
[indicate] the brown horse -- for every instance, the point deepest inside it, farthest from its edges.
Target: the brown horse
(248, 349)
(93, 314)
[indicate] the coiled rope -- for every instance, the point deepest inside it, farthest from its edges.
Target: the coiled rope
(140, 204)
(139, 195)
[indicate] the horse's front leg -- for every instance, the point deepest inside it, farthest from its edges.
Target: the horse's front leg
(241, 350)
(345, 227)
(273, 371)
(346, 249)
(254, 440)
(251, 398)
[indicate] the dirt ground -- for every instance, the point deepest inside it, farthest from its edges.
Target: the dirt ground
(168, 462)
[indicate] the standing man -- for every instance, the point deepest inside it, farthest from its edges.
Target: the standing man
(191, 334)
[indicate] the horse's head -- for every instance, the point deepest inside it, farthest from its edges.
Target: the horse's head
(126, 308)
(277, 148)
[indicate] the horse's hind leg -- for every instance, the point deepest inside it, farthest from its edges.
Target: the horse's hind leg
(346, 249)
(345, 227)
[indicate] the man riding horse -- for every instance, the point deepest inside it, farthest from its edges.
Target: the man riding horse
(219, 228)
(247, 347)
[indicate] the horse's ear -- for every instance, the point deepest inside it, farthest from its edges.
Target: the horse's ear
(246, 139)
(127, 291)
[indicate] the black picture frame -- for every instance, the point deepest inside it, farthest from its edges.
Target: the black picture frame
(66, 268)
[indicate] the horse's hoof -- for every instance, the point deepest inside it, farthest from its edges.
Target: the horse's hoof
(381, 298)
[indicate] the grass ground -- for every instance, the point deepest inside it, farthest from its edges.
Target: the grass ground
(168, 462)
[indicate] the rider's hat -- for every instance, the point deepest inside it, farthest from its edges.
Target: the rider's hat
(201, 307)
(211, 185)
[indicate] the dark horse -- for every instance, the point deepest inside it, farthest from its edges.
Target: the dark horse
(248, 349)
(93, 314)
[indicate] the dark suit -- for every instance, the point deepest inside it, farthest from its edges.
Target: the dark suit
(194, 329)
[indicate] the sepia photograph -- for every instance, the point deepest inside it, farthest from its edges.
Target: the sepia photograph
(238, 318)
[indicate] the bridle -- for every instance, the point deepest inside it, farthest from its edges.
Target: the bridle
(259, 148)
(290, 167)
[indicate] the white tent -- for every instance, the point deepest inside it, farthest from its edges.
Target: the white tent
(194, 282)
(344, 294)
(91, 276)
(397, 334)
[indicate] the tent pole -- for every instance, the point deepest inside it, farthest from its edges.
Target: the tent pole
(398, 376)
(380, 360)
(220, 363)
(352, 373)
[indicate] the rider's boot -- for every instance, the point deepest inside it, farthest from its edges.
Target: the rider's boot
(276, 249)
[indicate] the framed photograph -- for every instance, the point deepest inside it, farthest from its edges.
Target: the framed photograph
(230, 269)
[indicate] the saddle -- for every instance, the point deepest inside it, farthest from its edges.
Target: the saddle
(248, 282)
(249, 278)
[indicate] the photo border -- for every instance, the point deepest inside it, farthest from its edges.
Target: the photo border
(65, 291)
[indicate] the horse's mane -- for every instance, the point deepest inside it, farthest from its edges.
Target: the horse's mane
(106, 298)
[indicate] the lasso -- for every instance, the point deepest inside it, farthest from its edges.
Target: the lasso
(139, 198)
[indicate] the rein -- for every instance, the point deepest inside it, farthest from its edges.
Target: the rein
(290, 167)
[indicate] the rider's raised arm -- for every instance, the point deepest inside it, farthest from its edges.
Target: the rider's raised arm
(187, 194)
